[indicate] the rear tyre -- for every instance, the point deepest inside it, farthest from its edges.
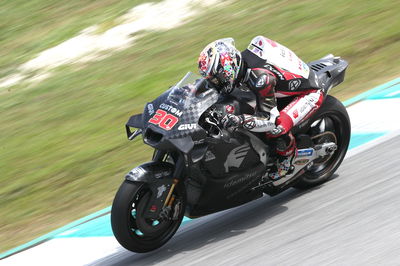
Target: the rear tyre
(127, 218)
(331, 123)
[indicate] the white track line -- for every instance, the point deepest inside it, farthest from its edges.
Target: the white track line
(372, 143)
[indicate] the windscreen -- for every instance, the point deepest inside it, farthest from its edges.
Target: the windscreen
(185, 92)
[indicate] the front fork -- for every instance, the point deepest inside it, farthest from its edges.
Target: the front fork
(178, 173)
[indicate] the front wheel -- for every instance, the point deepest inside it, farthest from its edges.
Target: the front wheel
(331, 123)
(131, 229)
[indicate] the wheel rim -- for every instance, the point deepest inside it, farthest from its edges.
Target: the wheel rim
(331, 124)
(148, 227)
(156, 230)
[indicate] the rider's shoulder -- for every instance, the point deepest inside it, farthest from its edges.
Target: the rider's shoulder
(262, 46)
(258, 77)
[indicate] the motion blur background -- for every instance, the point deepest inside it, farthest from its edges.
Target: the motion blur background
(72, 72)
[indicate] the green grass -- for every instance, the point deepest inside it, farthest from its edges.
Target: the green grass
(29, 27)
(63, 147)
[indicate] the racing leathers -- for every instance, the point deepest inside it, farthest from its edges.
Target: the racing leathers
(267, 86)
(260, 72)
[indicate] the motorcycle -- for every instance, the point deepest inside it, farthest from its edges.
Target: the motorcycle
(199, 168)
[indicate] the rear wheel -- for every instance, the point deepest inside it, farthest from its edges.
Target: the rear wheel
(131, 229)
(330, 124)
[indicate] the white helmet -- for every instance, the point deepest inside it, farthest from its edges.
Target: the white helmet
(220, 62)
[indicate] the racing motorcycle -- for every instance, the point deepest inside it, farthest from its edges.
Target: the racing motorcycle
(199, 168)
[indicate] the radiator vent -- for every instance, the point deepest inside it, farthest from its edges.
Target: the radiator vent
(318, 67)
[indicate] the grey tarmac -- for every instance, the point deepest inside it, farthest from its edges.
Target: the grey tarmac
(354, 219)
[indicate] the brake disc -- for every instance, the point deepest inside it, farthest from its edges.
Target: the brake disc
(148, 227)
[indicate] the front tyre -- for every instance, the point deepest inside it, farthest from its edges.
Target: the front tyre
(331, 123)
(127, 217)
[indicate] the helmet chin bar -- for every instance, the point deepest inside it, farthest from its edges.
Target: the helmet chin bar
(221, 84)
(224, 88)
(227, 88)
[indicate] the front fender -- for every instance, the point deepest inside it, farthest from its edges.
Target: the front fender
(158, 177)
(150, 172)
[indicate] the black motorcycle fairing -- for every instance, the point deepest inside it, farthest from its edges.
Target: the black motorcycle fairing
(329, 71)
(205, 168)
(226, 175)
(171, 120)
(226, 158)
(135, 121)
(158, 177)
(222, 193)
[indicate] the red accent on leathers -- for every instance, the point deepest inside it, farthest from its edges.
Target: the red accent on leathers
(299, 110)
(264, 70)
(288, 75)
(285, 121)
(273, 43)
(268, 91)
(295, 93)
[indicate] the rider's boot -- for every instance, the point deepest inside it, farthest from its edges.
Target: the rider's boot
(287, 151)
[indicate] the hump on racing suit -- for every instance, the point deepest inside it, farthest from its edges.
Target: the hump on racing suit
(291, 72)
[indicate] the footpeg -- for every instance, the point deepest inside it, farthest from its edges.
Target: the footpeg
(305, 158)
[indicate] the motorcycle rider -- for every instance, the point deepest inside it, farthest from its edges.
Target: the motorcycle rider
(270, 71)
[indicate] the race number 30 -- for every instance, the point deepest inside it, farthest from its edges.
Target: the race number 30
(164, 120)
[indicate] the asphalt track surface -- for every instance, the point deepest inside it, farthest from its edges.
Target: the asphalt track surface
(354, 219)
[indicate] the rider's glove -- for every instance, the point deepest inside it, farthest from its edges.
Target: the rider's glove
(231, 121)
(277, 131)
(281, 128)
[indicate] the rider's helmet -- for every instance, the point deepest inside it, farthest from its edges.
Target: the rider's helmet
(219, 62)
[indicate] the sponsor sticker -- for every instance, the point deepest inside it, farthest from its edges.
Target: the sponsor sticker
(295, 114)
(261, 81)
(171, 109)
(161, 190)
(135, 174)
(304, 152)
(187, 126)
(294, 84)
(249, 122)
(229, 109)
(150, 108)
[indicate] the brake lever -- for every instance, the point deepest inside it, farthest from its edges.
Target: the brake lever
(214, 123)
(208, 120)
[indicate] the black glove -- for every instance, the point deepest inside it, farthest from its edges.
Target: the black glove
(231, 121)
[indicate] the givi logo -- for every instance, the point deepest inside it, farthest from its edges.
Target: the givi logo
(187, 126)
